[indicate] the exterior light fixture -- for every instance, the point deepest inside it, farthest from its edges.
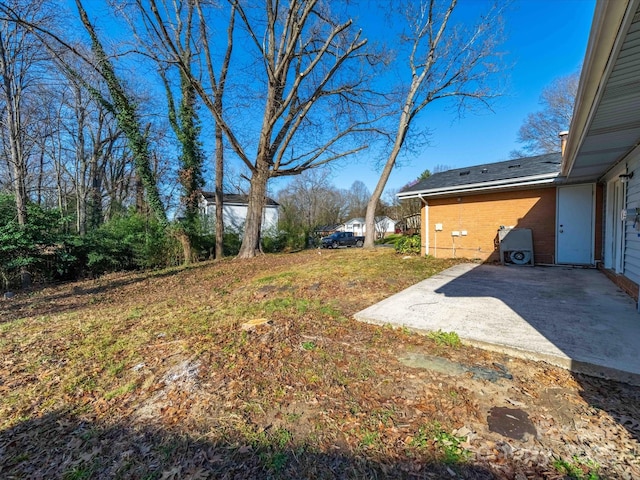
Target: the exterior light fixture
(625, 177)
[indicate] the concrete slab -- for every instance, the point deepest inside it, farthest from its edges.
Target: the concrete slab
(571, 317)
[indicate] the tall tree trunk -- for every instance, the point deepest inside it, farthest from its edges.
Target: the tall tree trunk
(370, 217)
(19, 176)
(60, 193)
(81, 198)
(257, 192)
(185, 242)
(125, 110)
(14, 124)
(141, 206)
(219, 194)
(40, 178)
(95, 193)
(81, 206)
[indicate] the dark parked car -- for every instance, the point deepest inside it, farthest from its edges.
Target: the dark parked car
(341, 239)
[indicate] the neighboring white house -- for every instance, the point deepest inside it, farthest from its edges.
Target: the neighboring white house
(384, 226)
(234, 210)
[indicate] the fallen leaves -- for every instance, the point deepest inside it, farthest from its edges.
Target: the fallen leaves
(161, 375)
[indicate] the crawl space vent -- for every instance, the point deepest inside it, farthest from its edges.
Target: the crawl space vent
(516, 246)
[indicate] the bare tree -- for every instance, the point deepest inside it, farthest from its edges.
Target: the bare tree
(21, 54)
(94, 137)
(174, 31)
(219, 134)
(441, 168)
(356, 199)
(400, 209)
(125, 110)
(150, 22)
(89, 167)
(308, 202)
(539, 132)
(305, 67)
(445, 61)
(118, 99)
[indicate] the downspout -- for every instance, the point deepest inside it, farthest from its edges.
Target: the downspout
(425, 231)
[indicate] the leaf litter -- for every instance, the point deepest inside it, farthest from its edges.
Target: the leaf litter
(152, 375)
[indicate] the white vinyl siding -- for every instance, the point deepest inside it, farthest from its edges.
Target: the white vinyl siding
(359, 228)
(234, 217)
(632, 240)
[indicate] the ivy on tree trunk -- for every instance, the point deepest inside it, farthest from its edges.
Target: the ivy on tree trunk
(125, 112)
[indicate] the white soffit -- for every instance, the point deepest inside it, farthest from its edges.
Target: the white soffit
(614, 127)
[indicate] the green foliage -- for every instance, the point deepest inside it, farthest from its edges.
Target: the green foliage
(450, 339)
(275, 242)
(129, 242)
(34, 245)
(186, 125)
(370, 438)
(309, 345)
(291, 235)
(392, 239)
(204, 244)
(125, 110)
(451, 447)
(232, 242)
(408, 245)
(447, 444)
(424, 175)
(578, 468)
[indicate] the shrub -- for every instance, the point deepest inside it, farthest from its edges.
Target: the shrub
(232, 243)
(32, 246)
(408, 245)
(274, 242)
(392, 239)
(205, 245)
(128, 242)
(293, 237)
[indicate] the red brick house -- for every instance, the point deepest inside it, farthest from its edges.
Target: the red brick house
(594, 199)
(464, 210)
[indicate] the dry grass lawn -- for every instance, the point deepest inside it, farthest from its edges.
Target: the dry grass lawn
(152, 376)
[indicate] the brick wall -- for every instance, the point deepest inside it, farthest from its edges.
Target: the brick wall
(481, 216)
(629, 286)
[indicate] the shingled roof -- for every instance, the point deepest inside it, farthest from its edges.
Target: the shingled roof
(520, 172)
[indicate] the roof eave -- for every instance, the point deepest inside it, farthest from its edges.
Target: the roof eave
(507, 184)
(604, 35)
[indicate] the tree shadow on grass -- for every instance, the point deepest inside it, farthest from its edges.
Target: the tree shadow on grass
(62, 445)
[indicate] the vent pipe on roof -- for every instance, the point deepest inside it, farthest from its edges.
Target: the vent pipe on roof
(563, 141)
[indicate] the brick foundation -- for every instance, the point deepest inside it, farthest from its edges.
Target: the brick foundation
(628, 286)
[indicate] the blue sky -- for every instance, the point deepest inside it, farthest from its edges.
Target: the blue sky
(545, 39)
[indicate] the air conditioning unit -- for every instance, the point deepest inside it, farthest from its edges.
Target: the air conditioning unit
(516, 246)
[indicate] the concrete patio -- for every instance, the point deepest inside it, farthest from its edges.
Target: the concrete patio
(571, 317)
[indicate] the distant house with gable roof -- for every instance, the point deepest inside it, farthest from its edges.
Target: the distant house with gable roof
(384, 226)
(234, 210)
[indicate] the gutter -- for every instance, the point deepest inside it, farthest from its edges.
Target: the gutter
(481, 187)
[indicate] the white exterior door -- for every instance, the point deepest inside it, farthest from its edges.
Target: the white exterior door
(575, 224)
(614, 226)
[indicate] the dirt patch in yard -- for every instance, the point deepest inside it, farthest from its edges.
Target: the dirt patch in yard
(153, 376)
